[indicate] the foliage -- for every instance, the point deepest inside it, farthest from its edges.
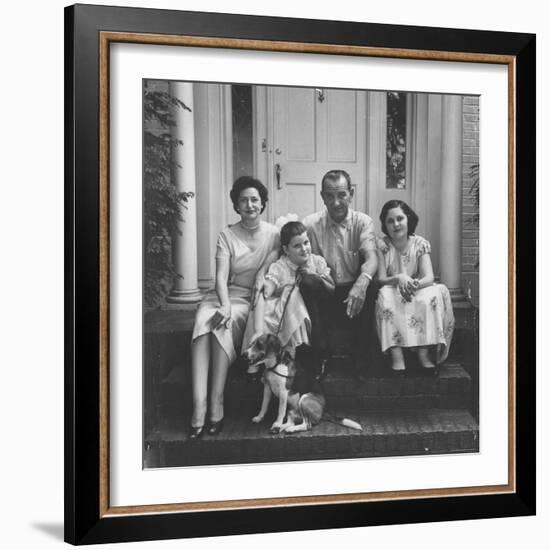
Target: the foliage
(396, 140)
(162, 202)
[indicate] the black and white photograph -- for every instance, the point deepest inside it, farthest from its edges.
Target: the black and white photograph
(274, 275)
(310, 273)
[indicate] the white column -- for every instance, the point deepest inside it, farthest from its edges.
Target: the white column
(184, 245)
(451, 195)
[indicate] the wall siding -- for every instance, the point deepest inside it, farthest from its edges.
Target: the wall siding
(470, 211)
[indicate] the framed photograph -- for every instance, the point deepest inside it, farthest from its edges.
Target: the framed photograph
(293, 284)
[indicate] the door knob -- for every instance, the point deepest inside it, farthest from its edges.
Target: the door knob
(278, 175)
(278, 151)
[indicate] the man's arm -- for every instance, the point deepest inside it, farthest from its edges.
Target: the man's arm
(358, 292)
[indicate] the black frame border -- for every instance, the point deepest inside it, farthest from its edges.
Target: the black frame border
(83, 523)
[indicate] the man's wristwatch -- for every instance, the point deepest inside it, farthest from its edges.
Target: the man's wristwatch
(364, 273)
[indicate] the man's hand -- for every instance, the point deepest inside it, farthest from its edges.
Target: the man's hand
(356, 297)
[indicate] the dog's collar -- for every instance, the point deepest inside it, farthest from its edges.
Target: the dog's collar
(273, 367)
(272, 370)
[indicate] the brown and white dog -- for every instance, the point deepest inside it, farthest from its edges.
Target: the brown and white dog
(296, 382)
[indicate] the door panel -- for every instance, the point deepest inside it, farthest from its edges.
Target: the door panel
(341, 126)
(298, 105)
(314, 131)
(303, 197)
(346, 130)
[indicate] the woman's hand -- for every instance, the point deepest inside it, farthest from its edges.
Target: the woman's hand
(407, 286)
(258, 289)
(222, 317)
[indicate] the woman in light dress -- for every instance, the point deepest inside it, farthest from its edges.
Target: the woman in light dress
(244, 252)
(411, 310)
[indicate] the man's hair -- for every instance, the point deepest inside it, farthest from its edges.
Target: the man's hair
(291, 229)
(412, 216)
(335, 175)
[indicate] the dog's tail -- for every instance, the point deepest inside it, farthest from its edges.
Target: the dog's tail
(343, 421)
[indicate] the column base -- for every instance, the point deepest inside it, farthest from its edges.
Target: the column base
(190, 297)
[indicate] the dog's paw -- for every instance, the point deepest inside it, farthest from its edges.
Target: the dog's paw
(275, 428)
(290, 428)
(257, 419)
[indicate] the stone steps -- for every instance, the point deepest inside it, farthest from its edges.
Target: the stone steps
(452, 389)
(385, 433)
(414, 415)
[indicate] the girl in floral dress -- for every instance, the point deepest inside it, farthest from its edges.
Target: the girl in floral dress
(411, 310)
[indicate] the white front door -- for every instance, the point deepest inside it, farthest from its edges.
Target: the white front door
(309, 132)
(301, 133)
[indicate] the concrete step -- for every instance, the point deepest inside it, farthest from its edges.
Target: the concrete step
(385, 433)
(452, 389)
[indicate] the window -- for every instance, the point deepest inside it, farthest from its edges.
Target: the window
(241, 100)
(396, 140)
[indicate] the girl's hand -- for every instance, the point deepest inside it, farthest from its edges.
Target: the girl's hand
(305, 269)
(269, 289)
(222, 317)
(407, 286)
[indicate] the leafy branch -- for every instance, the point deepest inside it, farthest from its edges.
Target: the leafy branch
(162, 202)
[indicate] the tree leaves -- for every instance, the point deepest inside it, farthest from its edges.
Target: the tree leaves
(162, 202)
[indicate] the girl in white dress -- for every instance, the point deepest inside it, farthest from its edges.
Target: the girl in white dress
(280, 309)
(411, 310)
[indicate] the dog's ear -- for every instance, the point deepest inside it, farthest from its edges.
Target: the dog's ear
(273, 342)
(286, 357)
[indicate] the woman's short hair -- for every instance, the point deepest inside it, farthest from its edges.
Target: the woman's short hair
(291, 229)
(246, 182)
(412, 216)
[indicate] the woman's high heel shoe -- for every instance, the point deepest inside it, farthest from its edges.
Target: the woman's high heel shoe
(196, 432)
(214, 428)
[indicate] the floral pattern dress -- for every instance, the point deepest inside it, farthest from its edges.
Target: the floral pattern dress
(428, 319)
(295, 326)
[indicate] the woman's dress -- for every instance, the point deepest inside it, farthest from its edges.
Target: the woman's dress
(244, 264)
(295, 327)
(428, 319)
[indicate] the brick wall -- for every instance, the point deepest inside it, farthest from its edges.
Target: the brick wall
(470, 210)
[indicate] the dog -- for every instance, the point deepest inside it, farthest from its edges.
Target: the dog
(295, 381)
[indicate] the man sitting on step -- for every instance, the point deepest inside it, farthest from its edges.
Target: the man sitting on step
(345, 238)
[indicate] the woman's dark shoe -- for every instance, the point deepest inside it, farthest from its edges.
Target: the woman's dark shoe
(214, 428)
(398, 373)
(431, 372)
(196, 433)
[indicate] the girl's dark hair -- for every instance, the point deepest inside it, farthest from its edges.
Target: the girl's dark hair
(291, 229)
(246, 182)
(412, 217)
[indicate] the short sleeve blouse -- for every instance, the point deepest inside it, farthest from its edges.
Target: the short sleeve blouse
(403, 262)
